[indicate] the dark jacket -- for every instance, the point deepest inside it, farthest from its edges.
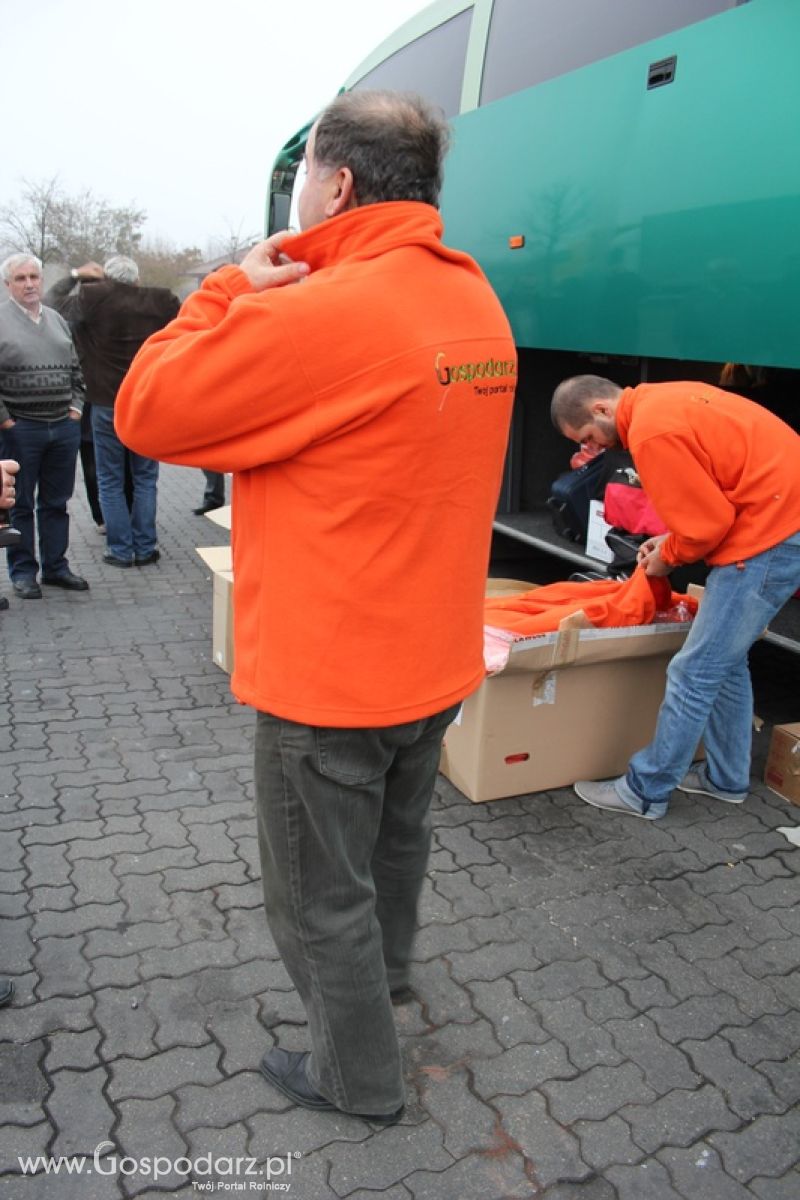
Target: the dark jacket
(110, 321)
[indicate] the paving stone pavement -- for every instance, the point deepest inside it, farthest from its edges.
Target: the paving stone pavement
(606, 1009)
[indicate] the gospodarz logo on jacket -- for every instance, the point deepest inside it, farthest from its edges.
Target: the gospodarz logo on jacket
(499, 374)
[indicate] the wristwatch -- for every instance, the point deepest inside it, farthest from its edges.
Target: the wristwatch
(74, 273)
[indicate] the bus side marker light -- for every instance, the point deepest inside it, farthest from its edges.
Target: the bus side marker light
(516, 242)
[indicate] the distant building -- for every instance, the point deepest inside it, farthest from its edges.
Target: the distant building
(192, 278)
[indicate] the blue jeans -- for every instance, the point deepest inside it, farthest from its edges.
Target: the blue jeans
(129, 533)
(344, 834)
(708, 691)
(47, 452)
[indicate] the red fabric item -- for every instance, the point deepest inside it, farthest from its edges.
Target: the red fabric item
(581, 457)
(607, 603)
(629, 508)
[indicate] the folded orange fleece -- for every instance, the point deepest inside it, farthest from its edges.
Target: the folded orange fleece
(605, 602)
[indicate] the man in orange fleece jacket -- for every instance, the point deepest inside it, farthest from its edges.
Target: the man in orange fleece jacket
(723, 474)
(364, 413)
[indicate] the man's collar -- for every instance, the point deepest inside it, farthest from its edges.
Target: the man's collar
(35, 317)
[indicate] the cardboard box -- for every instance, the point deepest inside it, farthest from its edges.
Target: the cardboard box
(570, 705)
(218, 558)
(782, 772)
(221, 516)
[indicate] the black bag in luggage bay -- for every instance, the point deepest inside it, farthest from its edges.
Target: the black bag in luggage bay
(570, 494)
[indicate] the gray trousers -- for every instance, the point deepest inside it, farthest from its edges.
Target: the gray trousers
(344, 834)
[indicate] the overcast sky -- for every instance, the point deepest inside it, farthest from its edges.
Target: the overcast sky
(178, 106)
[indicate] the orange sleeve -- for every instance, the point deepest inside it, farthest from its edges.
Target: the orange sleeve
(685, 495)
(220, 386)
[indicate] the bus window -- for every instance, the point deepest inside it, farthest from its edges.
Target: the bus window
(432, 65)
(533, 40)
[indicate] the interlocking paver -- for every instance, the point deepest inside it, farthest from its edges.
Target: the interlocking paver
(551, 1151)
(606, 1142)
(767, 1146)
(597, 1093)
(80, 1110)
(514, 1072)
(664, 1066)
(165, 1072)
(679, 1118)
(603, 1010)
(698, 1171)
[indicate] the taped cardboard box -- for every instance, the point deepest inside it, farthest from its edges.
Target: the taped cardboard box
(782, 772)
(569, 705)
(218, 558)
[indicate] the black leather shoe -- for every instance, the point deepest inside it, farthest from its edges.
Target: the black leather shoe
(401, 995)
(113, 561)
(3, 603)
(286, 1071)
(73, 583)
(27, 589)
(6, 991)
(207, 507)
(9, 536)
(153, 557)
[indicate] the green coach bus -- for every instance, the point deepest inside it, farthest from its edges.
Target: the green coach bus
(627, 174)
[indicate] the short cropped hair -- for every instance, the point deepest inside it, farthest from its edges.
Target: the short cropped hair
(122, 269)
(573, 397)
(10, 264)
(393, 142)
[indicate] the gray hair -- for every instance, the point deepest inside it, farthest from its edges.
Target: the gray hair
(122, 269)
(10, 264)
(573, 397)
(393, 142)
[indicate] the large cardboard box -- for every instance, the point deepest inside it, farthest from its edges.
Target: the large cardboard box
(218, 558)
(782, 772)
(569, 705)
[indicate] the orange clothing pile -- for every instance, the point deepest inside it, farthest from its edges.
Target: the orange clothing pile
(606, 603)
(365, 414)
(722, 472)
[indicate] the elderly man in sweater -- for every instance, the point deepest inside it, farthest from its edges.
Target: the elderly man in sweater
(41, 399)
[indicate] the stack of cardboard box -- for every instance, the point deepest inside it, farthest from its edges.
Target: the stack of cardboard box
(218, 558)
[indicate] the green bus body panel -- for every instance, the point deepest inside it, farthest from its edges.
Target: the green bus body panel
(661, 223)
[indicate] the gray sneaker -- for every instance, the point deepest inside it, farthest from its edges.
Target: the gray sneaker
(696, 783)
(605, 795)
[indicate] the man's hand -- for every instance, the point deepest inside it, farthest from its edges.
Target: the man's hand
(8, 469)
(74, 414)
(9, 424)
(90, 270)
(266, 267)
(649, 556)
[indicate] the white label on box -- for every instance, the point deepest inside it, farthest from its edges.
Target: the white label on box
(544, 689)
(596, 537)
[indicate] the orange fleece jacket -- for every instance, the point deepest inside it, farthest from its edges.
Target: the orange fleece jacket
(364, 412)
(722, 472)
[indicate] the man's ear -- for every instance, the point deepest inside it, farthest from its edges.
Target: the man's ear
(601, 408)
(343, 195)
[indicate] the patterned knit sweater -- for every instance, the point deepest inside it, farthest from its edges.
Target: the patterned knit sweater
(40, 377)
